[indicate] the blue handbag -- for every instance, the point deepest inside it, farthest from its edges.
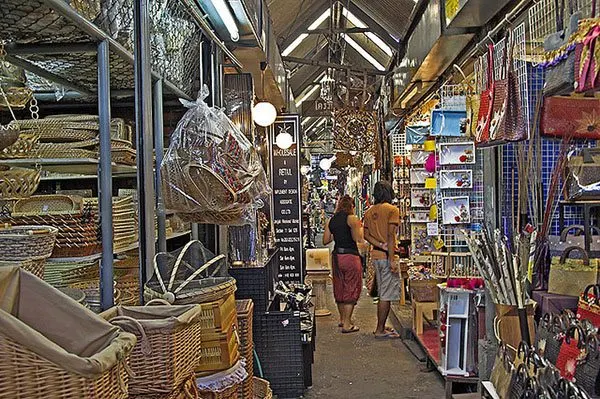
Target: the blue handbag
(416, 134)
(448, 123)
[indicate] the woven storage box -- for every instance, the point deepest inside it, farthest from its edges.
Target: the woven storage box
(245, 309)
(66, 362)
(219, 316)
(424, 290)
(18, 182)
(168, 347)
(224, 384)
(262, 389)
(219, 351)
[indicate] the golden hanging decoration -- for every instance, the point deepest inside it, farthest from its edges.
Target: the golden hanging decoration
(354, 130)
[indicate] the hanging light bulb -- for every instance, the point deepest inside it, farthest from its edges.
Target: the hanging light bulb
(284, 140)
(325, 164)
(264, 113)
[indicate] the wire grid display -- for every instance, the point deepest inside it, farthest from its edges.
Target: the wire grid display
(398, 140)
(175, 37)
(542, 19)
(453, 97)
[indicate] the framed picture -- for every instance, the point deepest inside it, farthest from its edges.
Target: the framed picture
(456, 179)
(456, 210)
(457, 153)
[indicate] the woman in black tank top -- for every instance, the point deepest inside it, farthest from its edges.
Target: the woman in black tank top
(346, 230)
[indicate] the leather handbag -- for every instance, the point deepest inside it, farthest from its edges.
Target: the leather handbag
(560, 72)
(569, 275)
(583, 175)
(588, 307)
(486, 104)
(588, 369)
(570, 352)
(571, 117)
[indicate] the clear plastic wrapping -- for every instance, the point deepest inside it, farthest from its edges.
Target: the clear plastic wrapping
(210, 172)
(583, 174)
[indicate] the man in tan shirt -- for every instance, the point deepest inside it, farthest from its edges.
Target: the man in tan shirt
(380, 228)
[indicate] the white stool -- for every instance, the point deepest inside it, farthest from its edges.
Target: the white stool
(319, 280)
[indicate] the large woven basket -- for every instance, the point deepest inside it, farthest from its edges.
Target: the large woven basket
(219, 351)
(188, 390)
(55, 272)
(52, 204)
(9, 134)
(18, 182)
(26, 242)
(218, 316)
(24, 147)
(224, 384)
(200, 291)
(168, 348)
(262, 389)
(34, 266)
(60, 367)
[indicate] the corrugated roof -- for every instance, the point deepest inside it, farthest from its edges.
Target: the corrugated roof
(392, 15)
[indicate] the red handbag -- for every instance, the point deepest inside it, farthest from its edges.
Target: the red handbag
(587, 307)
(571, 352)
(486, 104)
(575, 117)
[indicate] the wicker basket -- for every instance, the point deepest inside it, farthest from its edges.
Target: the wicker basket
(262, 389)
(188, 390)
(52, 204)
(26, 242)
(55, 271)
(168, 348)
(9, 134)
(245, 309)
(34, 266)
(218, 316)
(18, 182)
(18, 97)
(219, 352)
(75, 294)
(54, 151)
(57, 369)
(224, 384)
(23, 147)
(124, 156)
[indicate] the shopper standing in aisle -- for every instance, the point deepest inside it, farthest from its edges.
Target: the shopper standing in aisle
(381, 226)
(346, 230)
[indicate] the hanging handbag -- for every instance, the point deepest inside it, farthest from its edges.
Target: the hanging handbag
(588, 307)
(500, 100)
(560, 71)
(570, 352)
(486, 103)
(583, 174)
(588, 370)
(568, 275)
(546, 337)
(416, 134)
(502, 372)
(519, 383)
(559, 243)
(571, 117)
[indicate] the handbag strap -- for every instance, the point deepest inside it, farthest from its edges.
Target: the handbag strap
(586, 293)
(490, 67)
(567, 251)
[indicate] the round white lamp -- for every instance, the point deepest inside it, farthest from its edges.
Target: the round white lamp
(304, 169)
(284, 140)
(325, 164)
(264, 114)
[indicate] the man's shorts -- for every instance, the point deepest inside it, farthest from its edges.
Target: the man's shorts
(388, 283)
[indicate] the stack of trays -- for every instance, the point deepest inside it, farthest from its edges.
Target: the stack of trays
(125, 227)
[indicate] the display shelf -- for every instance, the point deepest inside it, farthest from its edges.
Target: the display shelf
(57, 43)
(116, 252)
(84, 166)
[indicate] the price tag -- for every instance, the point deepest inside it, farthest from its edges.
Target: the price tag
(432, 229)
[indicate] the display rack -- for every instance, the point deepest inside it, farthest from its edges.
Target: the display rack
(87, 48)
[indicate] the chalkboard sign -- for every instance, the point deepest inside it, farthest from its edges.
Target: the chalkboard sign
(286, 203)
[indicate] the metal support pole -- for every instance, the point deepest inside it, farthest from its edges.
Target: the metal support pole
(143, 127)
(157, 114)
(105, 177)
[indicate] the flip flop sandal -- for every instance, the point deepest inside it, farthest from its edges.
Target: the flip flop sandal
(388, 335)
(352, 329)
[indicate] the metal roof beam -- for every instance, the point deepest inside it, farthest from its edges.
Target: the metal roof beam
(334, 66)
(326, 31)
(373, 25)
(302, 27)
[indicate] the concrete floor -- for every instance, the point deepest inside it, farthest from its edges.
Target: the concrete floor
(357, 366)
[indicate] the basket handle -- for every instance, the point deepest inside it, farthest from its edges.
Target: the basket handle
(158, 301)
(126, 322)
(197, 272)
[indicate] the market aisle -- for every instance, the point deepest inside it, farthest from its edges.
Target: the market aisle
(358, 366)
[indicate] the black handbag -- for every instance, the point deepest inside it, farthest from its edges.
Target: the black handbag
(588, 371)
(519, 382)
(552, 347)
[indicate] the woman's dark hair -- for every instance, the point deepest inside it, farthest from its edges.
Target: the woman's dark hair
(383, 192)
(345, 204)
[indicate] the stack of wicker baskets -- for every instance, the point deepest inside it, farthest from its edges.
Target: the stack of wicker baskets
(125, 225)
(262, 389)
(76, 136)
(245, 309)
(76, 224)
(127, 277)
(27, 247)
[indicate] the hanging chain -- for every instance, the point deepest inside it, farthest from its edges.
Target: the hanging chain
(34, 108)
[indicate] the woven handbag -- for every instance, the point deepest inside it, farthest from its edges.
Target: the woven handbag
(502, 376)
(588, 370)
(519, 383)
(569, 275)
(500, 99)
(571, 352)
(547, 339)
(583, 174)
(486, 104)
